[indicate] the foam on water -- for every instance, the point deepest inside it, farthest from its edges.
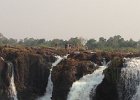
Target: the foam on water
(12, 87)
(81, 89)
(128, 87)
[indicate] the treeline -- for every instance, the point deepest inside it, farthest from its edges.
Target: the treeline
(112, 42)
(115, 42)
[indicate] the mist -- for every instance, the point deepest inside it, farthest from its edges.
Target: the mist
(70, 18)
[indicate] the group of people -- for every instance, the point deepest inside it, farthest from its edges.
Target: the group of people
(68, 46)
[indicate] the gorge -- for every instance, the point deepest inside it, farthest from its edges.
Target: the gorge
(28, 73)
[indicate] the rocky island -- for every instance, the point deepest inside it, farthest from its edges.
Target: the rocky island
(31, 69)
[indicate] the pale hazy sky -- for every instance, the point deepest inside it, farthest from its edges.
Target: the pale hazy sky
(70, 18)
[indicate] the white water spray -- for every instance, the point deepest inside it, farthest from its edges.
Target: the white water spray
(137, 95)
(49, 88)
(12, 87)
(128, 87)
(81, 89)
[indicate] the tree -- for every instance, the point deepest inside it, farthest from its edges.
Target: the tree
(30, 42)
(40, 41)
(91, 44)
(74, 41)
(115, 42)
(57, 43)
(138, 44)
(12, 41)
(101, 43)
(132, 43)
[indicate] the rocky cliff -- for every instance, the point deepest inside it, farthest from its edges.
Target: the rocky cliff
(32, 68)
(109, 88)
(31, 71)
(67, 72)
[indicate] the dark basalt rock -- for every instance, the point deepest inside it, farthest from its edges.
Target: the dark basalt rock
(107, 90)
(32, 68)
(4, 79)
(67, 72)
(31, 71)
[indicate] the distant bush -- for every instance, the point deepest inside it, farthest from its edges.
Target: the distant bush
(115, 43)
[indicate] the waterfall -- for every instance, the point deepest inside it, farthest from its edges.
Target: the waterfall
(49, 88)
(129, 84)
(137, 95)
(12, 87)
(81, 89)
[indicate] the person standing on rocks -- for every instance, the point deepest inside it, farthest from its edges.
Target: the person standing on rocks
(68, 47)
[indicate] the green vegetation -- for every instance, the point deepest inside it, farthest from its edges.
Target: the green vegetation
(116, 43)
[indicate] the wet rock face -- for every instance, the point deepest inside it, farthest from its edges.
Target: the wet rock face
(5, 75)
(32, 79)
(32, 68)
(31, 71)
(97, 58)
(79, 64)
(107, 90)
(2, 64)
(67, 72)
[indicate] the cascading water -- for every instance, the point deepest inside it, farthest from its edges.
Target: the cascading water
(129, 84)
(137, 95)
(12, 88)
(49, 88)
(81, 89)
